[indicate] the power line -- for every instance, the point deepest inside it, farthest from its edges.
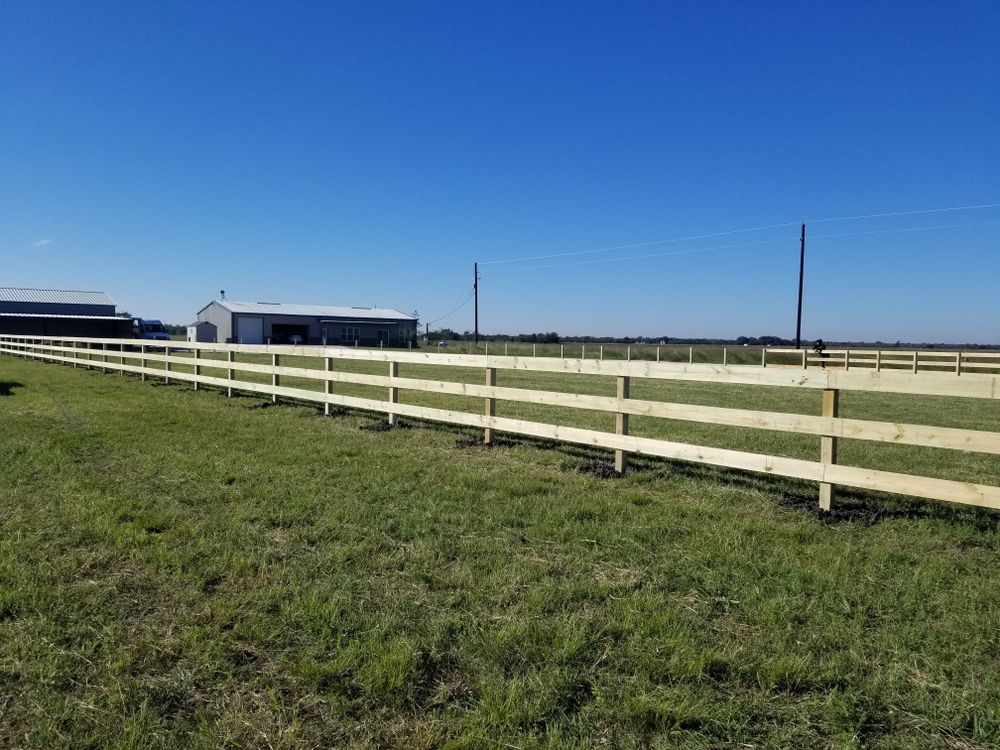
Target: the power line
(907, 213)
(638, 257)
(638, 244)
(906, 229)
(458, 306)
(530, 269)
(653, 243)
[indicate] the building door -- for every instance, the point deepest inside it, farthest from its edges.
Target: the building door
(383, 338)
(250, 330)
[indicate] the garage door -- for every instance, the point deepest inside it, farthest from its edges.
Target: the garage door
(251, 331)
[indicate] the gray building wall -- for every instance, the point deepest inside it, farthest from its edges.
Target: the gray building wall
(279, 328)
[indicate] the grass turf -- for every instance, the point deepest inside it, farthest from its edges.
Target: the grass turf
(178, 569)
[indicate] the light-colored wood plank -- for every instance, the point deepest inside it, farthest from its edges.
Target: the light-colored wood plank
(621, 422)
(393, 391)
(828, 446)
(490, 404)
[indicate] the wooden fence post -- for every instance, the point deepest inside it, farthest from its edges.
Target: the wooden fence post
(602, 352)
(847, 359)
(231, 373)
(916, 355)
(491, 404)
(690, 355)
(562, 351)
(197, 367)
(878, 360)
(393, 391)
(166, 365)
(763, 357)
(828, 445)
(621, 423)
(275, 378)
(958, 363)
(725, 357)
(329, 386)
(104, 357)
(583, 351)
(142, 360)
(657, 354)
(628, 353)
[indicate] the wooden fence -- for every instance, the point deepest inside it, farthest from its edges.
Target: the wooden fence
(954, 362)
(145, 360)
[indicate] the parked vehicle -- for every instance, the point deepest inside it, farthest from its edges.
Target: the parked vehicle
(154, 330)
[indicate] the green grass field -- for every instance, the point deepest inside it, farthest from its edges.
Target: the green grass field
(183, 570)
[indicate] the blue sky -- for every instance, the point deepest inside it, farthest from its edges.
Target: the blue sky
(369, 153)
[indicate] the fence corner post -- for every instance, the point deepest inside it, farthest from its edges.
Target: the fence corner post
(828, 445)
(621, 424)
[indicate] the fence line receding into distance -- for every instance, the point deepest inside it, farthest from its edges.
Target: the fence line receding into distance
(146, 360)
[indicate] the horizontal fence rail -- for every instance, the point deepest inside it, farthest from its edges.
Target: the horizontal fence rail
(915, 361)
(222, 370)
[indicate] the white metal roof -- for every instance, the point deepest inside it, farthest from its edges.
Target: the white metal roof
(324, 311)
(54, 296)
(61, 317)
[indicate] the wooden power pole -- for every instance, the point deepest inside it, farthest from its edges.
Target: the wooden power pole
(802, 266)
(475, 288)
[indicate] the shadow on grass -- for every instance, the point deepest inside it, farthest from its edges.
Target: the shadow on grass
(849, 506)
(7, 387)
(799, 496)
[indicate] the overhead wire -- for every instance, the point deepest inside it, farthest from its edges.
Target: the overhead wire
(905, 229)
(687, 251)
(689, 238)
(460, 303)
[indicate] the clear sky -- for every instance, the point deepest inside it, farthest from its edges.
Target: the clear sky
(367, 153)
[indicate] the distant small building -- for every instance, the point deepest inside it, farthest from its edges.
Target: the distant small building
(202, 331)
(60, 312)
(278, 323)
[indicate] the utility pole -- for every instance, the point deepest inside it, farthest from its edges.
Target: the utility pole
(802, 266)
(475, 288)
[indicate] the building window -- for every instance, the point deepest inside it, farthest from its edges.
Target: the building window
(404, 334)
(348, 333)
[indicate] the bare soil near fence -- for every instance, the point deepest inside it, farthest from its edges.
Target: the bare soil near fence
(183, 570)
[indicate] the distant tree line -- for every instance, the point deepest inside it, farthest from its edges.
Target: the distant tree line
(551, 337)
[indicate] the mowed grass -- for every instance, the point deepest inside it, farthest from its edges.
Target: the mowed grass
(183, 570)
